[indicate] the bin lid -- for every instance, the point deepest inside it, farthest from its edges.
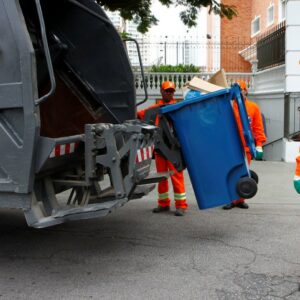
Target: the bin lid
(176, 106)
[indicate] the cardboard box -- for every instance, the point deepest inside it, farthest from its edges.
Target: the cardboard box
(203, 86)
(219, 79)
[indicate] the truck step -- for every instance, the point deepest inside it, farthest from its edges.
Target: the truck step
(141, 191)
(156, 177)
(80, 213)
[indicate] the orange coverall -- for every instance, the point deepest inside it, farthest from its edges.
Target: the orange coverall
(297, 174)
(163, 165)
(256, 125)
(297, 171)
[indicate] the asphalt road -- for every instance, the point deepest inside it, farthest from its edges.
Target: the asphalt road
(135, 254)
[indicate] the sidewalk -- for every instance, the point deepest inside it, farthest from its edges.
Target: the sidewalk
(276, 183)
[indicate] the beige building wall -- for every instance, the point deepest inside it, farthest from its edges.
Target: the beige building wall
(235, 36)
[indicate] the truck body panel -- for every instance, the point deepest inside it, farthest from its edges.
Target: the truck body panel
(57, 150)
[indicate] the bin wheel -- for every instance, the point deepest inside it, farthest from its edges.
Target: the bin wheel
(254, 176)
(246, 187)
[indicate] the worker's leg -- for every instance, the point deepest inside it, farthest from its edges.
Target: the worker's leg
(241, 202)
(163, 186)
(179, 188)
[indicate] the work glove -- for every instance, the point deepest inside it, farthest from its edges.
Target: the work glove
(259, 153)
(297, 184)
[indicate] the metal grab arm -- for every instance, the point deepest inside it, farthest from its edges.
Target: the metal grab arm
(166, 142)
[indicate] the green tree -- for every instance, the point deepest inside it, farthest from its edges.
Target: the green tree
(140, 10)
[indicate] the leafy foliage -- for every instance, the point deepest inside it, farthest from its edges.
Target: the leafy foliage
(125, 35)
(175, 69)
(139, 10)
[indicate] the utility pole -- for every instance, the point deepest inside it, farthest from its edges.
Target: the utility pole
(183, 52)
(177, 53)
(166, 49)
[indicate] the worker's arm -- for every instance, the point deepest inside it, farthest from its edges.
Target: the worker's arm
(258, 128)
(141, 114)
(258, 132)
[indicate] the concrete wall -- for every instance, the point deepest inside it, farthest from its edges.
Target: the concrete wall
(272, 106)
(268, 92)
(269, 81)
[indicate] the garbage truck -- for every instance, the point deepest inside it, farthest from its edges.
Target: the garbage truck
(71, 147)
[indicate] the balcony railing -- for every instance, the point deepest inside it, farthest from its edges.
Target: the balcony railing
(271, 48)
(154, 81)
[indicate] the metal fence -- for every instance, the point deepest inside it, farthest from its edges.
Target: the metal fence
(271, 48)
(234, 55)
(207, 55)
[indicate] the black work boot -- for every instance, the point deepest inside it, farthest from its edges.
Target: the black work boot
(229, 206)
(159, 209)
(179, 212)
(243, 205)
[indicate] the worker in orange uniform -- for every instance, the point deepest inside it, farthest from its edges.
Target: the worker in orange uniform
(258, 132)
(163, 165)
(297, 174)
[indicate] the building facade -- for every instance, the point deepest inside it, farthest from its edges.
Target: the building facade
(239, 35)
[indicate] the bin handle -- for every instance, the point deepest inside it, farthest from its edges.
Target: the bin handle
(47, 55)
(247, 133)
(142, 68)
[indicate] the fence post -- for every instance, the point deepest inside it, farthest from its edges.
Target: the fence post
(183, 54)
(254, 64)
(177, 53)
(165, 52)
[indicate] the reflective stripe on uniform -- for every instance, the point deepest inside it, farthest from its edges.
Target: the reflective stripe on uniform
(179, 196)
(163, 196)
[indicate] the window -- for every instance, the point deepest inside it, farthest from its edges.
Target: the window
(270, 15)
(282, 5)
(255, 26)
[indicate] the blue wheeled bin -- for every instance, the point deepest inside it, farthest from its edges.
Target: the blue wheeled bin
(212, 148)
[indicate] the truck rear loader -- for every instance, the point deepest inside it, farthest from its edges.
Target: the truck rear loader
(71, 147)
